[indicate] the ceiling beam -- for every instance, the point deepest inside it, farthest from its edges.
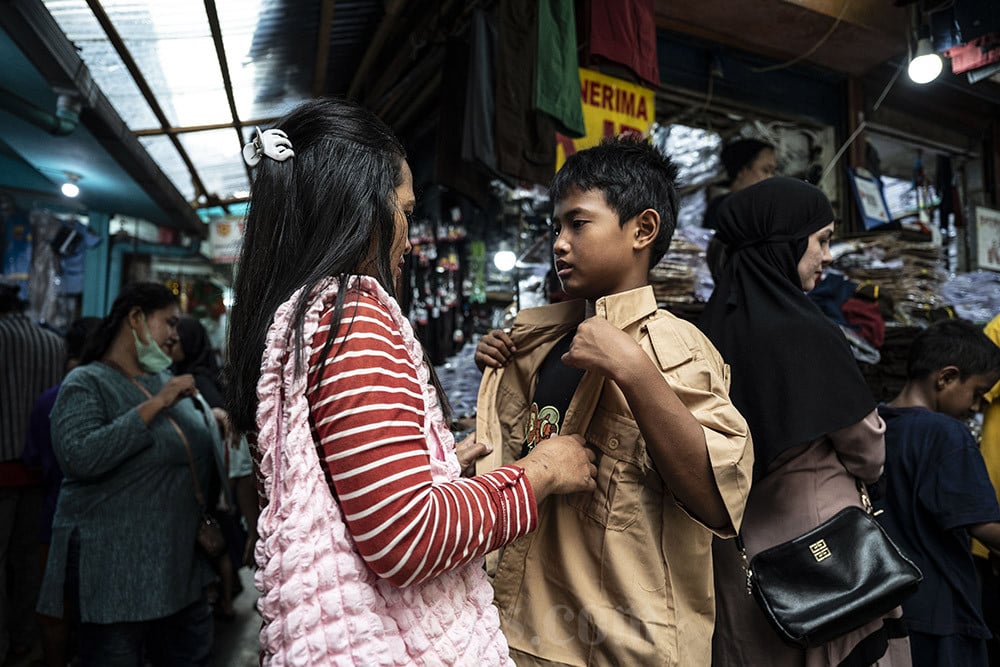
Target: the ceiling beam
(159, 131)
(322, 47)
(227, 82)
(32, 28)
(147, 92)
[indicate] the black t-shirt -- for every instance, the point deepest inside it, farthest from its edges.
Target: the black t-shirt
(936, 486)
(557, 383)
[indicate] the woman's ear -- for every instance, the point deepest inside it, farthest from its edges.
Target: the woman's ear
(135, 319)
(647, 228)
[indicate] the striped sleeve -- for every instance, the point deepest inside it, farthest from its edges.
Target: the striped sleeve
(367, 408)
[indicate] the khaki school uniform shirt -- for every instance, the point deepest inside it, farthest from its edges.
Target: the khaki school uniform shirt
(622, 576)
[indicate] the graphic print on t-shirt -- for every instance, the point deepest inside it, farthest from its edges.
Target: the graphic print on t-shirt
(556, 384)
(542, 425)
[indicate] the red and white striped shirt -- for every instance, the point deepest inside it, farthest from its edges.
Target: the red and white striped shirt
(367, 409)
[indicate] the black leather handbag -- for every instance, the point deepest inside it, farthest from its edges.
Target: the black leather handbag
(833, 579)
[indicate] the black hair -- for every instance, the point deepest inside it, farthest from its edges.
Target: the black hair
(149, 297)
(633, 175)
(318, 214)
(952, 343)
(741, 153)
(78, 335)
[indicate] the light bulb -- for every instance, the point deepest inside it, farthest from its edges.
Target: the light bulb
(504, 260)
(925, 65)
(70, 189)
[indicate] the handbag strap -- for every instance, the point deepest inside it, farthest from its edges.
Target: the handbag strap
(866, 504)
(198, 495)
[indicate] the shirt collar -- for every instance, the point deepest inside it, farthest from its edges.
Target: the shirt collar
(627, 308)
(621, 309)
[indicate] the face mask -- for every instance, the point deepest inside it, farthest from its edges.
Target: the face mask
(152, 358)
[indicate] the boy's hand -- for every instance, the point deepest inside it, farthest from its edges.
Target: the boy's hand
(560, 464)
(601, 347)
(494, 350)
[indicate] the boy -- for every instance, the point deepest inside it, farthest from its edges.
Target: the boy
(938, 492)
(623, 576)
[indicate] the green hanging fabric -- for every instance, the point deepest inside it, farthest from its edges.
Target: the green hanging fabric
(557, 74)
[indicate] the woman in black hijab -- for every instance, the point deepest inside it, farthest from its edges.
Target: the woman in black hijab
(813, 419)
(198, 359)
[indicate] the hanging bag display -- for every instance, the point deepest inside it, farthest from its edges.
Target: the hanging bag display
(835, 578)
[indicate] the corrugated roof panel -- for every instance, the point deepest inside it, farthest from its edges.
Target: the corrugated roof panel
(277, 55)
(165, 154)
(354, 24)
(266, 84)
(220, 164)
(77, 21)
(172, 44)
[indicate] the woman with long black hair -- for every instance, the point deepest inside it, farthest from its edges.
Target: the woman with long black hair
(813, 419)
(371, 546)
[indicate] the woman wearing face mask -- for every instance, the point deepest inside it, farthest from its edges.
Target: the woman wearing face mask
(813, 419)
(124, 534)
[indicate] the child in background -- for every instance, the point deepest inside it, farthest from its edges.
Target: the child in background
(938, 492)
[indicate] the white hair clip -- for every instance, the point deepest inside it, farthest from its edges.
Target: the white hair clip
(272, 143)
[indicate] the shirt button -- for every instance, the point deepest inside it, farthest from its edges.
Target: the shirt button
(613, 443)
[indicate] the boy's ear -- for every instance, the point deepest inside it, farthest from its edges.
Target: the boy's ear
(647, 228)
(946, 376)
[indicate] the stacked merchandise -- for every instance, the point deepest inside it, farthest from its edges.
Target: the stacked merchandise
(909, 276)
(681, 281)
(911, 273)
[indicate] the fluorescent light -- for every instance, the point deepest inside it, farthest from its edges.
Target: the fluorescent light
(925, 65)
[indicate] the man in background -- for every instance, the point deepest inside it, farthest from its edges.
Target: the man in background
(31, 361)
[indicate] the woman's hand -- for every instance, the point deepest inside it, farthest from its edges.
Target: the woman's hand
(172, 391)
(494, 350)
(175, 389)
(222, 419)
(469, 451)
(560, 464)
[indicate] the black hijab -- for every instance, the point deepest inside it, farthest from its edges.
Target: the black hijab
(199, 360)
(793, 375)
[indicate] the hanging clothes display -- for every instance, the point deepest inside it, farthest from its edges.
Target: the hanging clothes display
(479, 126)
(526, 138)
(624, 32)
(44, 282)
(557, 77)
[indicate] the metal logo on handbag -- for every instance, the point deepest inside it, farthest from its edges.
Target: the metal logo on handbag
(833, 579)
(820, 551)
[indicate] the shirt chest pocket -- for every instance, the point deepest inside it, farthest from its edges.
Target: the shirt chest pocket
(621, 472)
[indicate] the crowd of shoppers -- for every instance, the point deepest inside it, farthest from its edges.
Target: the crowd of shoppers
(619, 449)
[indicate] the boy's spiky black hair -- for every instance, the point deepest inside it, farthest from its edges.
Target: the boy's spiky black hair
(633, 175)
(952, 343)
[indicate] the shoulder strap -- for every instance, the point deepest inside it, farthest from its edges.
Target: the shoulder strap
(198, 495)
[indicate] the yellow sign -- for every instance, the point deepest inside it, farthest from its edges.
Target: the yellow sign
(610, 106)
